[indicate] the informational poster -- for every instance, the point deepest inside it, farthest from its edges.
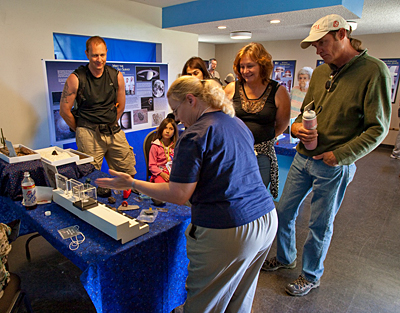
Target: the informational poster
(145, 90)
(284, 73)
(393, 65)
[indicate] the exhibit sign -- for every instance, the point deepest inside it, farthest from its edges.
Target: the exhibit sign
(146, 103)
(284, 72)
(393, 65)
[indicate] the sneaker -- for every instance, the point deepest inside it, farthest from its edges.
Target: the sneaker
(300, 287)
(273, 265)
(393, 156)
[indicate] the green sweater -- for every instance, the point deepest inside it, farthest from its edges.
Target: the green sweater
(355, 113)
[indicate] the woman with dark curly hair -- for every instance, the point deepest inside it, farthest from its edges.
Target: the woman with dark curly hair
(262, 104)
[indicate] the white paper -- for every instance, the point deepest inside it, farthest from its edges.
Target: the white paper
(44, 194)
(11, 149)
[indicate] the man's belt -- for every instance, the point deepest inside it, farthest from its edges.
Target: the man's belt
(107, 129)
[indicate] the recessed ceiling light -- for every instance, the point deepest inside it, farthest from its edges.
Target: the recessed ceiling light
(241, 35)
(221, 27)
(275, 21)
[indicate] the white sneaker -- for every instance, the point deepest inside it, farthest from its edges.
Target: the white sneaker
(393, 156)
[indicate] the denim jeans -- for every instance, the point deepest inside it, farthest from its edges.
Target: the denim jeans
(264, 164)
(328, 185)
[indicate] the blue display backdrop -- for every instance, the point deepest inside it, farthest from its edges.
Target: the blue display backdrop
(284, 73)
(72, 47)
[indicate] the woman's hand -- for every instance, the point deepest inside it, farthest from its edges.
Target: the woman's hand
(121, 181)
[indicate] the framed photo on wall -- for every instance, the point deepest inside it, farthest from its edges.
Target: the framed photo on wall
(284, 73)
(393, 65)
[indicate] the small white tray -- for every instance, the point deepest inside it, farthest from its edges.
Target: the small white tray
(83, 157)
(19, 159)
(72, 159)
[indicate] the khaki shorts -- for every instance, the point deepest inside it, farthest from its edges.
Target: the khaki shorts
(115, 149)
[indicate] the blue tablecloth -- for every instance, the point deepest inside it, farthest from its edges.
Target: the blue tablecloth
(146, 274)
(284, 147)
(11, 176)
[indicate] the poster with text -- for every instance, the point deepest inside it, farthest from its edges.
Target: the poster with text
(393, 65)
(145, 93)
(284, 73)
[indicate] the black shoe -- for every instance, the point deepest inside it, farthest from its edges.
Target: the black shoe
(273, 265)
(301, 287)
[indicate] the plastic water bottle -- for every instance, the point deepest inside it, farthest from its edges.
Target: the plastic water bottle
(29, 192)
(310, 122)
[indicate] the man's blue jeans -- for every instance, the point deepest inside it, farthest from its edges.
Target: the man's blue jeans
(328, 185)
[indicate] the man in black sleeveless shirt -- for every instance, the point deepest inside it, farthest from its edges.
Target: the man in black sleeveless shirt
(99, 91)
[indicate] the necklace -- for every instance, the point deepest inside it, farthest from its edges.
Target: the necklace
(204, 111)
(166, 151)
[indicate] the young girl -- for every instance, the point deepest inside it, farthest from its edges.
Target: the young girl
(162, 151)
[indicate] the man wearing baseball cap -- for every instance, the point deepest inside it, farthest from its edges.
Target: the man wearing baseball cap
(352, 93)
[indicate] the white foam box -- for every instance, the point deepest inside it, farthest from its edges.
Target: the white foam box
(83, 157)
(19, 159)
(71, 159)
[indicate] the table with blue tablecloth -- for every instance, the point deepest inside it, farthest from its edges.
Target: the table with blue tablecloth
(146, 274)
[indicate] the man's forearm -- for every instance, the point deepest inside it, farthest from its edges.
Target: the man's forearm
(69, 119)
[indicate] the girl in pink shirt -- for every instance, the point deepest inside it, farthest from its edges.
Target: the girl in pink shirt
(162, 151)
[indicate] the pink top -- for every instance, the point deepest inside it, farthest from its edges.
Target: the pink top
(158, 157)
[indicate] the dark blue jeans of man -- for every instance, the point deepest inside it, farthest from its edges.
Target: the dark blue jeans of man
(328, 185)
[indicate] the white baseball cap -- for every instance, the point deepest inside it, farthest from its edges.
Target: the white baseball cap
(323, 26)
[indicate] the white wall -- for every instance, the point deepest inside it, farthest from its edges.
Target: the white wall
(206, 51)
(26, 36)
(380, 46)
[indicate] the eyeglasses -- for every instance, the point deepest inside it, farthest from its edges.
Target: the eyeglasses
(329, 86)
(176, 109)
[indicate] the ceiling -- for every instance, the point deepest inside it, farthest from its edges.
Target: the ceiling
(378, 16)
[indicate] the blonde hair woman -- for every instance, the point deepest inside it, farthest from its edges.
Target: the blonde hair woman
(232, 213)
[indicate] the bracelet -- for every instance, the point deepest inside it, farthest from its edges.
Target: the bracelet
(133, 184)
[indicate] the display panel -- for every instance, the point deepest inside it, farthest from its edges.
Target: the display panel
(393, 65)
(284, 73)
(145, 90)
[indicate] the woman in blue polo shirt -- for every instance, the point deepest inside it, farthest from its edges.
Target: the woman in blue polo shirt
(233, 216)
